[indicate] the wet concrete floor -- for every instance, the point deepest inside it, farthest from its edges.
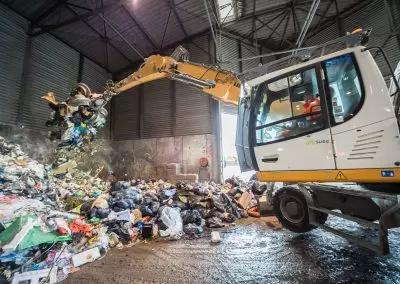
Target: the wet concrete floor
(253, 251)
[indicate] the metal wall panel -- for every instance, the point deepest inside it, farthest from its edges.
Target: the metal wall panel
(53, 67)
(199, 50)
(13, 41)
(126, 115)
(391, 46)
(193, 107)
(96, 77)
(375, 16)
(230, 51)
(249, 51)
(326, 35)
(158, 111)
(372, 16)
(193, 111)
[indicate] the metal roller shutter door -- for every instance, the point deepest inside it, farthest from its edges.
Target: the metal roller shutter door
(193, 111)
(12, 50)
(126, 115)
(158, 117)
(96, 77)
(53, 67)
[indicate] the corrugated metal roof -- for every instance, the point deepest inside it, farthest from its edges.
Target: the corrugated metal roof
(151, 25)
(29, 9)
(193, 15)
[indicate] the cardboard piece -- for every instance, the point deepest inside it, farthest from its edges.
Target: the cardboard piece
(86, 256)
(244, 200)
(34, 277)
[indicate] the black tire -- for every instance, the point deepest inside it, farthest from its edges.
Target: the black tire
(291, 209)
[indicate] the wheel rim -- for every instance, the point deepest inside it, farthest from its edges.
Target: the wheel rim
(292, 209)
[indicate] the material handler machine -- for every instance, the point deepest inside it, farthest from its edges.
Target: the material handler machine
(321, 122)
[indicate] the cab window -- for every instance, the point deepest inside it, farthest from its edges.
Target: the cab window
(289, 107)
(344, 83)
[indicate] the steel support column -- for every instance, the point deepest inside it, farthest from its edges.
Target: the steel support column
(216, 118)
(240, 56)
(80, 67)
(141, 111)
(172, 85)
(338, 19)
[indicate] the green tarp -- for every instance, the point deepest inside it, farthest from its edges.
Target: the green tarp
(34, 237)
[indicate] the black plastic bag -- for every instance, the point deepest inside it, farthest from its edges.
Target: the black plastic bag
(214, 222)
(191, 216)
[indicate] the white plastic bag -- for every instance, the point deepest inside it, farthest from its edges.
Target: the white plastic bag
(171, 217)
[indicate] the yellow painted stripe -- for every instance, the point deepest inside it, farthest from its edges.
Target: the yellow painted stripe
(354, 175)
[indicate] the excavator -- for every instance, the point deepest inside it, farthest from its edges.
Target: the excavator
(319, 126)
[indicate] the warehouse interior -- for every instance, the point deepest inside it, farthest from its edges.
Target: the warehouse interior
(166, 136)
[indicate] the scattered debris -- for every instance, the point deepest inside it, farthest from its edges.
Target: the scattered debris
(215, 237)
(86, 256)
(55, 218)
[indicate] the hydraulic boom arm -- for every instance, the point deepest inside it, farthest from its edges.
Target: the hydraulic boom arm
(76, 120)
(220, 84)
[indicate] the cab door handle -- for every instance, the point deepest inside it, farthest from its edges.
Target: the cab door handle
(270, 159)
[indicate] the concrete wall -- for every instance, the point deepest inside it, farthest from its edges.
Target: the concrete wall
(147, 158)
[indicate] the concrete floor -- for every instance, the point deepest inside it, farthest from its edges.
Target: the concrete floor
(253, 251)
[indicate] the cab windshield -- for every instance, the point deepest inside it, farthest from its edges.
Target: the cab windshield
(289, 107)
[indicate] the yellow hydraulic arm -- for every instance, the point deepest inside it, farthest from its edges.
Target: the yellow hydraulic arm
(220, 84)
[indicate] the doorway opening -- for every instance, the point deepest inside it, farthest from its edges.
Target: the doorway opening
(230, 163)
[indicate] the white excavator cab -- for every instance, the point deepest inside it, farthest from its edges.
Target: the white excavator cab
(314, 122)
(329, 118)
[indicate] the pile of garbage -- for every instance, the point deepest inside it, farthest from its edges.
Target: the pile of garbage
(55, 218)
(76, 120)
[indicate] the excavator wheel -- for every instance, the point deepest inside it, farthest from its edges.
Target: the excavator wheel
(291, 209)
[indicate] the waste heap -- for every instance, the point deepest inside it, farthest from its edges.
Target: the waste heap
(55, 218)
